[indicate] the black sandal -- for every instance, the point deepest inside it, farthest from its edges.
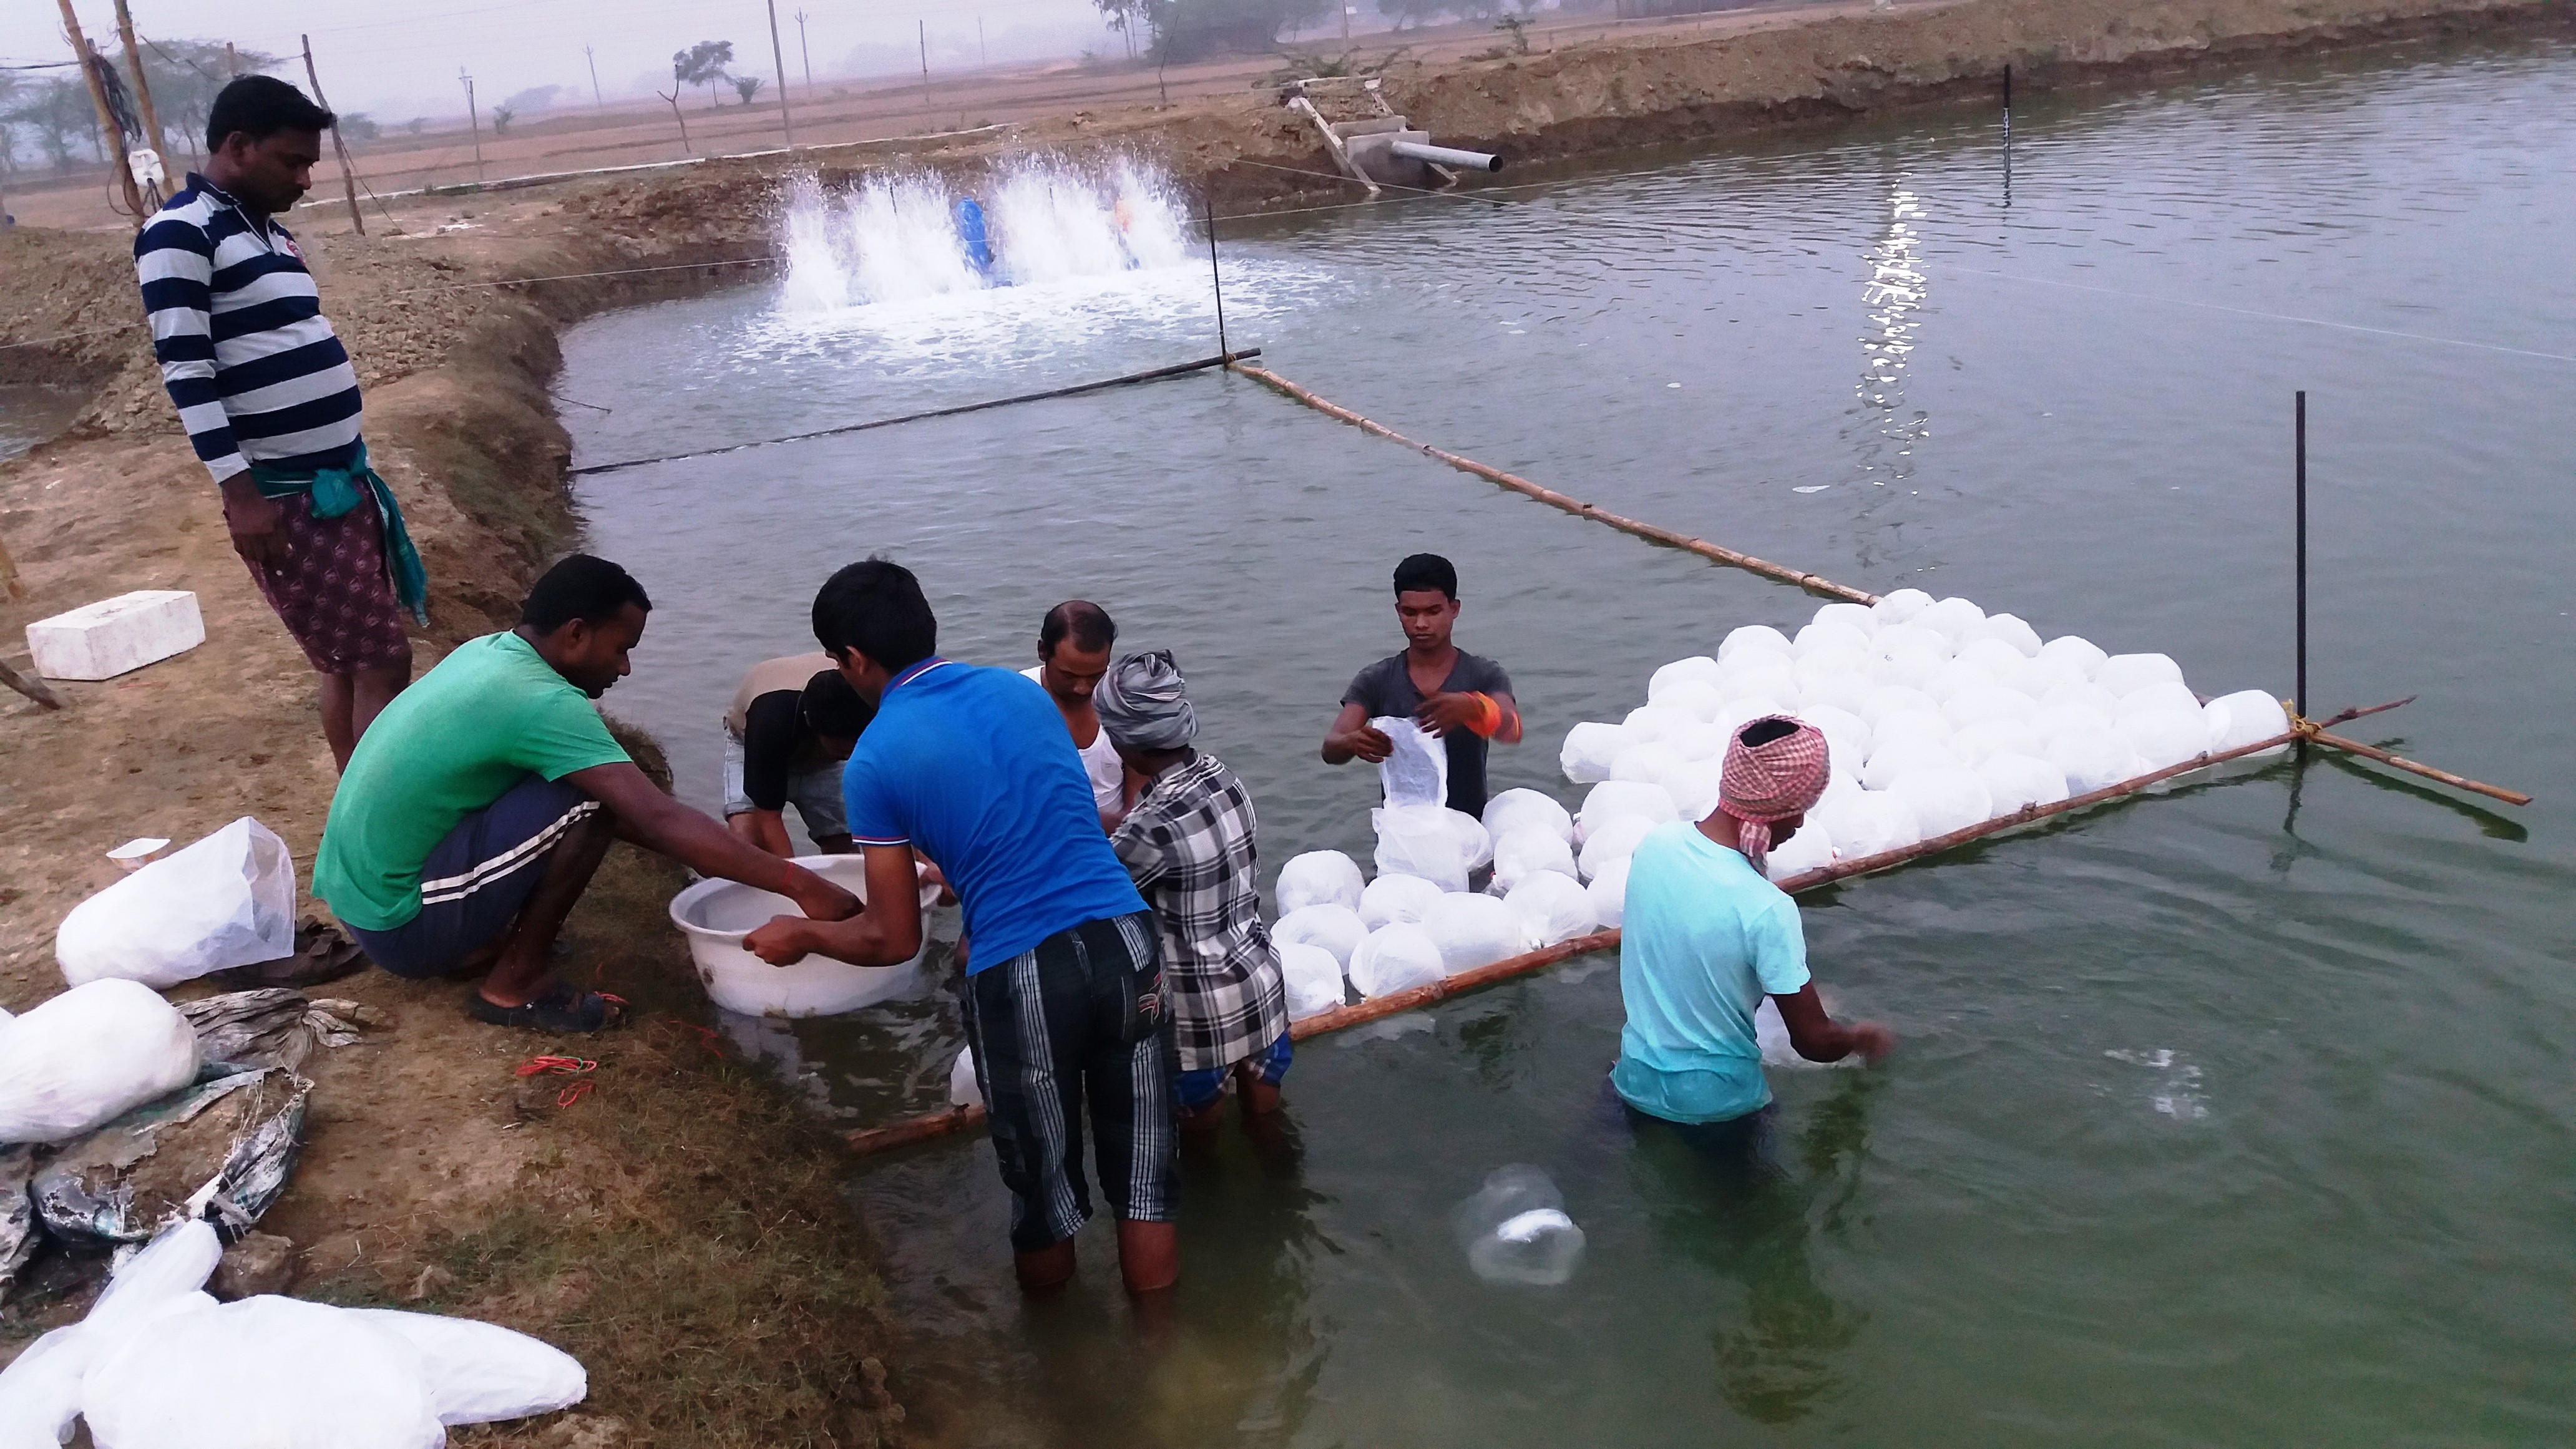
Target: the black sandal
(558, 1009)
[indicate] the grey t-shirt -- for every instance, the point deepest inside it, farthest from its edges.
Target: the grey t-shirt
(1387, 688)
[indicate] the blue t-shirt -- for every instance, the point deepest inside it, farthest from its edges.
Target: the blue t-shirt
(1702, 940)
(975, 767)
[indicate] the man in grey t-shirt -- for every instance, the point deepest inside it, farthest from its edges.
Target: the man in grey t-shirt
(1463, 698)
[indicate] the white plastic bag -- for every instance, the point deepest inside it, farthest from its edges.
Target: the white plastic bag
(2127, 673)
(1416, 771)
(1867, 822)
(1609, 892)
(1313, 979)
(1393, 898)
(480, 1373)
(963, 1089)
(2016, 780)
(1419, 840)
(1944, 799)
(1526, 853)
(40, 1393)
(87, 1056)
(1395, 958)
(1811, 848)
(1771, 1033)
(1318, 878)
(40, 1390)
(1589, 749)
(2164, 737)
(1613, 840)
(1472, 930)
(1614, 798)
(1515, 1230)
(1475, 842)
(2239, 719)
(228, 900)
(1552, 908)
(1527, 810)
(1338, 929)
(263, 1373)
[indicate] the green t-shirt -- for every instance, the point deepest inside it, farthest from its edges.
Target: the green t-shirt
(490, 715)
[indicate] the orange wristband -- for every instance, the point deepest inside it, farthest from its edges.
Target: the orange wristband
(1489, 719)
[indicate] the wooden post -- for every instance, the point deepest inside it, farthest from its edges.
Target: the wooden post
(473, 118)
(348, 173)
(597, 102)
(778, 58)
(924, 27)
(107, 127)
(30, 686)
(674, 99)
(142, 88)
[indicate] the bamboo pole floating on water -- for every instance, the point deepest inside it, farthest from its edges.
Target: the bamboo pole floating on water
(1812, 583)
(2415, 767)
(947, 1121)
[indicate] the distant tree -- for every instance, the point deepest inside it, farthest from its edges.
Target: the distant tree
(359, 126)
(502, 116)
(57, 110)
(703, 64)
(1185, 30)
(415, 125)
(186, 74)
(534, 98)
(745, 86)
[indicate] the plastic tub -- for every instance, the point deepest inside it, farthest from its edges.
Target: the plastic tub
(716, 914)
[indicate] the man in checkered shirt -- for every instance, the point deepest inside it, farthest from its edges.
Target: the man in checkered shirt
(1188, 845)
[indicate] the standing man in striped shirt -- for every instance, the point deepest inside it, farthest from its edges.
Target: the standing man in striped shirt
(270, 401)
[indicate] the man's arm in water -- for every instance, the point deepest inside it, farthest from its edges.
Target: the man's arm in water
(1351, 738)
(886, 932)
(1820, 1038)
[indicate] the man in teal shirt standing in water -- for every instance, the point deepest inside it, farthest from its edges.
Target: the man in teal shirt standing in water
(1706, 936)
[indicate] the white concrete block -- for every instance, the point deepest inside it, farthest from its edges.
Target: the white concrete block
(116, 636)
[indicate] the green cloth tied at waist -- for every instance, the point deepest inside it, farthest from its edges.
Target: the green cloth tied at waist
(336, 491)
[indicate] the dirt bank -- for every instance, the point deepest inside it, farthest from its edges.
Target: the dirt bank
(677, 1229)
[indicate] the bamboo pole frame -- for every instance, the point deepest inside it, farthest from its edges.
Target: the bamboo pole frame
(30, 686)
(867, 1141)
(1715, 553)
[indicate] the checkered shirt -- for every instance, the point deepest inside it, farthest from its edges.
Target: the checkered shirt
(1189, 846)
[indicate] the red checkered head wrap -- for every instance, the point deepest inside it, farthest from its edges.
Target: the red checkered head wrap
(1763, 783)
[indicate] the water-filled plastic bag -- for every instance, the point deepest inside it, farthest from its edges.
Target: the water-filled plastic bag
(1474, 840)
(1850, 616)
(1698, 698)
(1612, 840)
(1834, 671)
(1525, 853)
(1900, 606)
(2123, 673)
(1699, 668)
(1810, 848)
(1952, 616)
(2164, 738)
(482, 1373)
(2015, 780)
(1892, 759)
(1552, 908)
(1982, 739)
(2081, 652)
(1895, 639)
(2006, 665)
(965, 1091)
(1742, 712)
(2075, 715)
(1694, 786)
(1912, 666)
(1609, 892)
(1645, 764)
(1337, 929)
(2043, 677)
(1515, 1230)
(2091, 697)
(1318, 878)
(1824, 638)
(262, 1373)
(227, 900)
(2010, 629)
(1898, 725)
(2162, 697)
(1525, 809)
(1648, 723)
(1968, 706)
(1889, 699)
(1396, 958)
(1621, 797)
(1759, 637)
(1847, 735)
(1706, 742)
(2239, 719)
(2092, 761)
(1472, 929)
(1419, 840)
(89, 1055)
(1590, 748)
(1944, 800)
(1959, 676)
(1313, 979)
(1869, 823)
(1416, 770)
(1393, 898)
(1764, 678)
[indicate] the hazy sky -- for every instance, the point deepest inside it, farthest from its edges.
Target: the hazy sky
(399, 58)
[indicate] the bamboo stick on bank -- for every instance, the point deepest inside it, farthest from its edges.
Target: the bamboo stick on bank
(1717, 553)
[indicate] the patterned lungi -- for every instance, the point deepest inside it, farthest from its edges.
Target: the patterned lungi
(331, 590)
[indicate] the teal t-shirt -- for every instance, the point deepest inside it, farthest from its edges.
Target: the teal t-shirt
(490, 715)
(1703, 939)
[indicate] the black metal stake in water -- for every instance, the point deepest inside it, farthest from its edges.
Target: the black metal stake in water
(1207, 200)
(2302, 700)
(2007, 135)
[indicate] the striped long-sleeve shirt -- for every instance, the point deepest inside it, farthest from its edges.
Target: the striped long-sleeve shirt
(251, 363)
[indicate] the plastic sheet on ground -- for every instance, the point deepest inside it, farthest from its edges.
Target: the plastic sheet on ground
(228, 1143)
(273, 1026)
(17, 1217)
(1515, 1229)
(227, 900)
(87, 1055)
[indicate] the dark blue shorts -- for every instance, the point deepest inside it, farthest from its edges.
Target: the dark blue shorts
(1197, 1091)
(475, 881)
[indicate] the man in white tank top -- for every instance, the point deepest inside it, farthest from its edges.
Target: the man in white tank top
(1073, 653)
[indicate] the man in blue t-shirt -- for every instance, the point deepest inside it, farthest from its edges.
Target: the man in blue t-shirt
(1064, 983)
(1706, 936)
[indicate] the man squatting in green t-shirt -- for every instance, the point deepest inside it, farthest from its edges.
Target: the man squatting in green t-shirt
(478, 805)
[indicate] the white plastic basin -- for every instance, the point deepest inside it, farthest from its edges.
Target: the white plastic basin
(716, 914)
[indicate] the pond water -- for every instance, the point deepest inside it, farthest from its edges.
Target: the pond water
(2240, 1115)
(29, 415)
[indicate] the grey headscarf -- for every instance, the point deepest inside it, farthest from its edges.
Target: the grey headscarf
(1144, 703)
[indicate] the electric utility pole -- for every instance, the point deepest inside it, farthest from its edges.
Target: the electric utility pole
(778, 59)
(473, 118)
(925, 58)
(109, 130)
(596, 103)
(804, 54)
